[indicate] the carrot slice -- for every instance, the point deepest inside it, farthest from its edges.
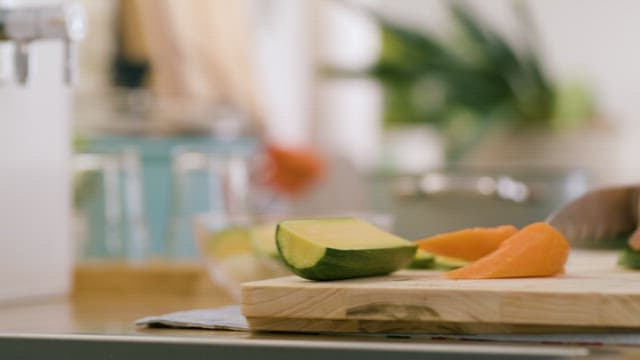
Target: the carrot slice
(536, 250)
(468, 244)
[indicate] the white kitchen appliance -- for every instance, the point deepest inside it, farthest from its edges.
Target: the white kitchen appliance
(37, 50)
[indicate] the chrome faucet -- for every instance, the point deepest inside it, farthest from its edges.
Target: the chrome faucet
(23, 25)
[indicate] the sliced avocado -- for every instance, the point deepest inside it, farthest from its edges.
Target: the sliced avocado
(228, 242)
(629, 258)
(263, 240)
(340, 248)
(422, 260)
(448, 263)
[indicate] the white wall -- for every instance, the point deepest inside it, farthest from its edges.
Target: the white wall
(599, 40)
(35, 201)
(284, 67)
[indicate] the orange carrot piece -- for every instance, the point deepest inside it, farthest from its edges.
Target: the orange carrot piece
(468, 244)
(291, 171)
(536, 250)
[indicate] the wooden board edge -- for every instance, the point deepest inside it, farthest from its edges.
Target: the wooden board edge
(258, 324)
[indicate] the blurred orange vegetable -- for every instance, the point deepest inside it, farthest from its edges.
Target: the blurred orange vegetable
(536, 250)
(292, 170)
(467, 244)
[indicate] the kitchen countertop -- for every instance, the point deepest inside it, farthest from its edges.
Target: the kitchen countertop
(96, 321)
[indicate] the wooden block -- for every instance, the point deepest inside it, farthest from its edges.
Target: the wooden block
(154, 277)
(408, 327)
(593, 294)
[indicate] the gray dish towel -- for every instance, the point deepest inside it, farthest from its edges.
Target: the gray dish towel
(224, 318)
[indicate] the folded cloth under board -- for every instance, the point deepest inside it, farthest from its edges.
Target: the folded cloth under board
(224, 318)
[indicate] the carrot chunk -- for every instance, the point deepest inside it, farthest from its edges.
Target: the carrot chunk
(468, 244)
(536, 250)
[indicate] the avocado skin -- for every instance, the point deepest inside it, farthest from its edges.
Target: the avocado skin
(347, 264)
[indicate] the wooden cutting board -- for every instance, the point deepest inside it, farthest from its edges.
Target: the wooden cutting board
(593, 295)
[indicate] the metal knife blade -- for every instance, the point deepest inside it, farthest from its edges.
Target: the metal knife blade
(602, 218)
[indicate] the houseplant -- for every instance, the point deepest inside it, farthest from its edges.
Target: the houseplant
(472, 81)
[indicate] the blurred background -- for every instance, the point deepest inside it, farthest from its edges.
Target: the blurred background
(343, 75)
(199, 116)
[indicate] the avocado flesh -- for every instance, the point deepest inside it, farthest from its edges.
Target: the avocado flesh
(340, 248)
(263, 240)
(448, 263)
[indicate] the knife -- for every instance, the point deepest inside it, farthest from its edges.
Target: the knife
(601, 218)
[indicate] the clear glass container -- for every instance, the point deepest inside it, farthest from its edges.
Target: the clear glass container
(109, 206)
